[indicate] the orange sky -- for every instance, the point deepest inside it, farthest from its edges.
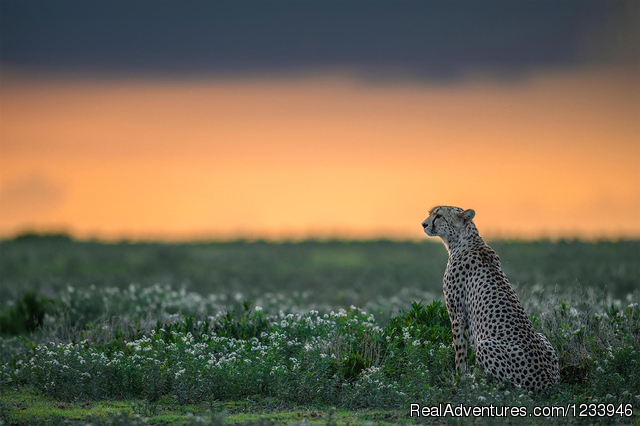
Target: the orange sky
(557, 154)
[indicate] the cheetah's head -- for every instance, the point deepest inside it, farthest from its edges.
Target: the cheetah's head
(448, 222)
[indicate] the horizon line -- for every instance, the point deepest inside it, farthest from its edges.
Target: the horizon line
(326, 238)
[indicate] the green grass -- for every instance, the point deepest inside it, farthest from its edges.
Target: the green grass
(334, 272)
(28, 406)
(260, 332)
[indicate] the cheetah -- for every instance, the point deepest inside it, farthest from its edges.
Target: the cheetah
(484, 308)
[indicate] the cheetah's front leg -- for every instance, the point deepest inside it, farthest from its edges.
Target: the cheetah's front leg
(459, 328)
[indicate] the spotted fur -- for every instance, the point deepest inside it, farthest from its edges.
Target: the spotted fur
(485, 310)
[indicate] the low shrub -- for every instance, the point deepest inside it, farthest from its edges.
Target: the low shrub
(26, 315)
(341, 357)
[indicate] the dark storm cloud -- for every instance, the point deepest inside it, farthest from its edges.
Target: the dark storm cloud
(420, 39)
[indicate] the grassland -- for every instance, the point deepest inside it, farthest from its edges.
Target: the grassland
(313, 332)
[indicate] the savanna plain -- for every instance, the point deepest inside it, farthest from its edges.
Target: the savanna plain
(312, 332)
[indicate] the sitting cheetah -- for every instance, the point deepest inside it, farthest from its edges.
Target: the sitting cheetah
(482, 304)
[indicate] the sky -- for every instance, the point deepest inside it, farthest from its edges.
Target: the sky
(296, 119)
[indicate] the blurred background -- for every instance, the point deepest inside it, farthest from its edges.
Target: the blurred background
(328, 119)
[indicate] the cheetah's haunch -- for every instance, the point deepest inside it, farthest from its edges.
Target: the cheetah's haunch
(483, 305)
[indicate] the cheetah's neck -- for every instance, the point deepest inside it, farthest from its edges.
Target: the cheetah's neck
(467, 240)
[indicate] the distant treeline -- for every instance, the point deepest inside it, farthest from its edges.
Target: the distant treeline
(61, 237)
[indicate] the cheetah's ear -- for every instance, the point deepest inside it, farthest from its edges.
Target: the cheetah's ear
(467, 215)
